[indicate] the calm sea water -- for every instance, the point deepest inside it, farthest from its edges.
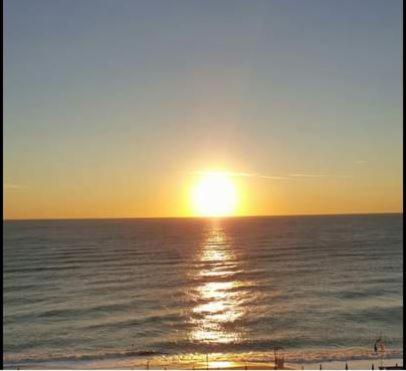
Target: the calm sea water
(114, 293)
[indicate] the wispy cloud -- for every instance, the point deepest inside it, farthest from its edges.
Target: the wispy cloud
(290, 177)
(308, 175)
(273, 177)
(229, 173)
(13, 186)
(360, 162)
(242, 174)
(325, 176)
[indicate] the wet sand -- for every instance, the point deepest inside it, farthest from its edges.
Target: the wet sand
(201, 364)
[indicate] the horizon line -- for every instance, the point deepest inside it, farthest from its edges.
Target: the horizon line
(201, 217)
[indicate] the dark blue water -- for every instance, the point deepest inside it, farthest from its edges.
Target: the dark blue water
(95, 293)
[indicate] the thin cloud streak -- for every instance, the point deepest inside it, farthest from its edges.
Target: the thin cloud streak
(241, 174)
(14, 186)
(308, 175)
(273, 177)
(290, 177)
(319, 176)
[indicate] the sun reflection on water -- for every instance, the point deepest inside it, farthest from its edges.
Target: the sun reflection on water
(217, 296)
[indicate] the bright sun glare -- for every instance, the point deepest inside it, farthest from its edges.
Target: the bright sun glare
(214, 195)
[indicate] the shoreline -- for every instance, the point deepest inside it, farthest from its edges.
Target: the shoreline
(154, 364)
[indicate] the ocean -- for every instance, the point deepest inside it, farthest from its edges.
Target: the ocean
(165, 293)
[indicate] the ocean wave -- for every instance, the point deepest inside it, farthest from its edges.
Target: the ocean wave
(159, 357)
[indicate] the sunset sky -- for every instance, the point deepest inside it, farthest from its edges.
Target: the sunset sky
(118, 108)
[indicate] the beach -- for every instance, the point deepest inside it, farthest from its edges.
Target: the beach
(195, 364)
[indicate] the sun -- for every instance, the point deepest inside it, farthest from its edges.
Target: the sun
(214, 195)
